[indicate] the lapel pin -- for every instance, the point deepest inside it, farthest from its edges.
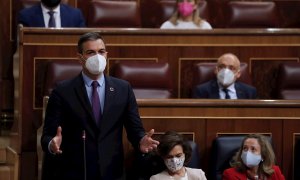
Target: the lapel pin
(111, 89)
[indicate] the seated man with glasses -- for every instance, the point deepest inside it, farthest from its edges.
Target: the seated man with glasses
(225, 85)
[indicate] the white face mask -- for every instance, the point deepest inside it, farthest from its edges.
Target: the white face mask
(225, 77)
(250, 159)
(174, 164)
(96, 64)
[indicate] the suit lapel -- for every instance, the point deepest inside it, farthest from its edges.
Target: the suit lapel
(84, 101)
(39, 16)
(63, 16)
(110, 91)
(239, 92)
(215, 90)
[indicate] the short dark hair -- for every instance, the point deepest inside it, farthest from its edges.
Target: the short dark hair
(90, 36)
(169, 140)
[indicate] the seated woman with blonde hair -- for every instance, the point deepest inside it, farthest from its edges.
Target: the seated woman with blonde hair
(255, 160)
(186, 16)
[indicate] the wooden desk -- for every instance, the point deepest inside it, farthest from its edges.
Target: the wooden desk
(263, 50)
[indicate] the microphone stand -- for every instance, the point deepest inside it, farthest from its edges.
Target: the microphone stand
(84, 154)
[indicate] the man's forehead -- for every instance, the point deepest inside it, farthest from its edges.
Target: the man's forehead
(94, 44)
(228, 59)
(97, 41)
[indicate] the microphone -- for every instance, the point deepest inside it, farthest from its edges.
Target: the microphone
(84, 154)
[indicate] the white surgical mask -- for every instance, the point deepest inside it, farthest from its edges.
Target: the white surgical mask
(96, 64)
(250, 159)
(225, 77)
(174, 164)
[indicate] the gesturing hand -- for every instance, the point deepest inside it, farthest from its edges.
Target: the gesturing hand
(147, 143)
(56, 142)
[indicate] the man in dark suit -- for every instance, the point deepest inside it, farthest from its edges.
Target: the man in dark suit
(225, 85)
(39, 15)
(84, 121)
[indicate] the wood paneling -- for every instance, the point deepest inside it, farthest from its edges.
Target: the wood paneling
(262, 49)
(9, 9)
(203, 118)
(208, 118)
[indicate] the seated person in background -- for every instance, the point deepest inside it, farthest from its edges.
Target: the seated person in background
(186, 16)
(255, 160)
(51, 13)
(225, 86)
(176, 152)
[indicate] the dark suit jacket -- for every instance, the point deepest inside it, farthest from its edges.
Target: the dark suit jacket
(33, 16)
(210, 90)
(69, 107)
(233, 174)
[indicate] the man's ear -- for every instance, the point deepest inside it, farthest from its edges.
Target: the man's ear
(216, 70)
(105, 55)
(80, 58)
(238, 74)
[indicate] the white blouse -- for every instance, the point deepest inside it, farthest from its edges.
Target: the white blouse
(185, 25)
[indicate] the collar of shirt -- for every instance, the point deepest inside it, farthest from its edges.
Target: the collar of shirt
(231, 91)
(101, 89)
(231, 88)
(47, 17)
(88, 81)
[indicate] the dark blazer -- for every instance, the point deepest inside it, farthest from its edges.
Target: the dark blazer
(69, 107)
(33, 16)
(233, 174)
(210, 90)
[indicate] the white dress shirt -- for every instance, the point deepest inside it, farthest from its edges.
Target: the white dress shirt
(47, 16)
(185, 25)
(100, 89)
(231, 92)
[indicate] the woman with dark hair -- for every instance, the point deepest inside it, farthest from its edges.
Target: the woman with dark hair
(176, 153)
(186, 16)
(255, 160)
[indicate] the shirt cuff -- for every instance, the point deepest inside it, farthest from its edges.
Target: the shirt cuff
(49, 149)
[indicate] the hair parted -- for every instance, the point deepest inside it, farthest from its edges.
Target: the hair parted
(90, 36)
(267, 154)
(169, 140)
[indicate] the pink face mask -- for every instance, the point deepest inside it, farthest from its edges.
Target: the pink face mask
(185, 8)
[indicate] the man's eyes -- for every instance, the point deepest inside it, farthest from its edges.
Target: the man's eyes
(229, 67)
(91, 52)
(94, 52)
(102, 52)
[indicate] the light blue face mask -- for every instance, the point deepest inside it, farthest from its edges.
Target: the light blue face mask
(250, 159)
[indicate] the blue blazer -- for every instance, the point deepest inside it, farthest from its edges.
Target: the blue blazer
(33, 16)
(69, 107)
(210, 90)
